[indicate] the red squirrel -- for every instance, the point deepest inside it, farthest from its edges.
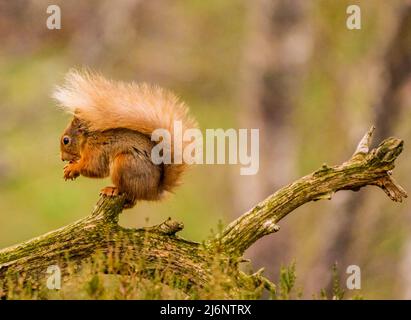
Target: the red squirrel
(110, 134)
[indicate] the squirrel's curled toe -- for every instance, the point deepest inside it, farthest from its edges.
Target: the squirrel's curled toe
(113, 192)
(109, 191)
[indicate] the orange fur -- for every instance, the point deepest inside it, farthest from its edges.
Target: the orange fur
(104, 104)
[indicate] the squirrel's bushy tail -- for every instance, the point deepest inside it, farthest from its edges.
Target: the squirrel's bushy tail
(104, 104)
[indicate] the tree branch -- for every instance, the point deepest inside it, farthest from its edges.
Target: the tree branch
(157, 246)
(163, 251)
(364, 168)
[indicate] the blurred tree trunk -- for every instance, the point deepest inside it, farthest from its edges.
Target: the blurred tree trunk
(277, 50)
(397, 71)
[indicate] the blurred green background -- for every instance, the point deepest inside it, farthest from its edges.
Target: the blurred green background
(290, 68)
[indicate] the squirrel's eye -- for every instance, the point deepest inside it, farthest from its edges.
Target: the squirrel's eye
(66, 140)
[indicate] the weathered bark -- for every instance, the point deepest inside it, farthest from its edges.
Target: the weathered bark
(157, 246)
(161, 249)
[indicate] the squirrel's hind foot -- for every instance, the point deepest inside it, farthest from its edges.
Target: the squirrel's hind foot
(109, 191)
(113, 192)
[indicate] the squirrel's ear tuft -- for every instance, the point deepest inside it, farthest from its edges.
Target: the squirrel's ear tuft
(79, 125)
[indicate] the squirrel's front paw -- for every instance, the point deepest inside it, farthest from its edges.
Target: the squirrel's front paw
(70, 171)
